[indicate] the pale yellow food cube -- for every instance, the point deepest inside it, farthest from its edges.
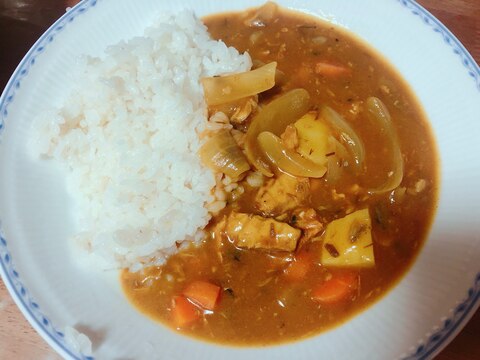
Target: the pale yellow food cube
(313, 136)
(348, 242)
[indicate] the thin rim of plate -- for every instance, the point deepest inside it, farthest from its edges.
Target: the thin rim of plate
(41, 323)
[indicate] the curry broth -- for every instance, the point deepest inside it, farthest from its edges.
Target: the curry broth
(258, 305)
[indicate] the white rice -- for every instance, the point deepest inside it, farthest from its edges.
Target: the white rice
(128, 135)
(77, 341)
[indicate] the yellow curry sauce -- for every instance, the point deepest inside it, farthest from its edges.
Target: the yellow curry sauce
(259, 304)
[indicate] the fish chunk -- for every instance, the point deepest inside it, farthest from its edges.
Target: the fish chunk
(256, 232)
(282, 194)
(307, 220)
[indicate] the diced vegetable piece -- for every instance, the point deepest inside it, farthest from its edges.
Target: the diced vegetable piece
(347, 135)
(222, 154)
(300, 267)
(313, 136)
(274, 117)
(348, 241)
(337, 289)
(224, 89)
(331, 70)
(202, 293)
(263, 16)
(378, 113)
(256, 232)
(287, 160)
(184, 313)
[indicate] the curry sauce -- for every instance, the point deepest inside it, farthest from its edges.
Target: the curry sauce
(263, 299)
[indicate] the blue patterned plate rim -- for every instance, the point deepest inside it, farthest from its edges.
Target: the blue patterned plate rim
(31, 310)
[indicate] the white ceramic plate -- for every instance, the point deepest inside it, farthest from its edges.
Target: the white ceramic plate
(414, 321)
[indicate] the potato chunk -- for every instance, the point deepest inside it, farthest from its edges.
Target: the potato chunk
(313, 138)
(348, 241)
(256, 232)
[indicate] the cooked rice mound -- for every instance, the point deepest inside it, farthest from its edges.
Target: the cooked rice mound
(128, 137)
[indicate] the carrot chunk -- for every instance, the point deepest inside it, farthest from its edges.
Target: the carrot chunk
(299, 268)
(203, 294)
(327, 69)
(336, 289)
(184, 312)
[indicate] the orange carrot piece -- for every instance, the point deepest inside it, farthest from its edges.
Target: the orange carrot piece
(327, 69)
(299, 268)
(337, 289)
(203, 294)
(184, 312)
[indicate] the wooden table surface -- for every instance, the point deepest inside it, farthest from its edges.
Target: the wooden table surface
(21, 22)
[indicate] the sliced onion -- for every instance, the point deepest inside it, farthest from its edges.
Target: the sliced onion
(274, 117)
(222, 154)
(347, 135)
(280, 77)
(335, 162)
(334, 170)
(264, 15)
(224, 89)
(288, 160)
(378, 113)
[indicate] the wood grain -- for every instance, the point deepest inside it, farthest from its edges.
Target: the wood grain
(18, 340)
